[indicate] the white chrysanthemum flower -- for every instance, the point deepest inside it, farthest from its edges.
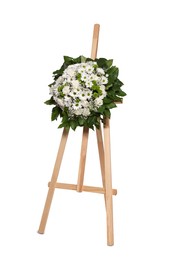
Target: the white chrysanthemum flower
(89, 94)
(51, 90)
(67, 101)
(86, 112)
(59, 102)
(100, 71)
(75, 83)
(89, 69)
(56, 92)
(74, 66)
(77, 105)
(89, 84)
(67, 80)
(83, 95)
(66, 90)
(94, 77)
(73, 93)
(102, 87)
(59, 81)
(84, 76)
(70, 72)
(81, 70)
(78, 112)
(92, 63)
(104, 93)
(98, 102)
(85, 103)
(83, 65)
(104, 80)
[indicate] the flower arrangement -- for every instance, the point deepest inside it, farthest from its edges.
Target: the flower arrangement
(84, 91)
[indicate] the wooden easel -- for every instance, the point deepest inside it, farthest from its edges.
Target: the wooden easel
(105, 164)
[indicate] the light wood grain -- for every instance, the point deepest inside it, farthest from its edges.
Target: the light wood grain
(53, 181)
(67, 186)
(82, 159)
(101, 154)
(95, 41)
(85, 129)
(108, 183)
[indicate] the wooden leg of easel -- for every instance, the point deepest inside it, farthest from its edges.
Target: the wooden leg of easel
(82, 159)
(53, 181)
(101, 155)
(108, 183)
(85, 129)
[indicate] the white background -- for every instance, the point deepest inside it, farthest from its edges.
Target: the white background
(34, 37)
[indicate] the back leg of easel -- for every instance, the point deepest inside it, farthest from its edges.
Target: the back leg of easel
(108, 183)
(53, 181)
(82, 159)
(101, 154)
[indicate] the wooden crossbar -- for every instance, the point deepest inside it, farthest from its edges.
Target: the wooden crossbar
(67, 186)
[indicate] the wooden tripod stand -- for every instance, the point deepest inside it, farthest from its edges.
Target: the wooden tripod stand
(105, 164)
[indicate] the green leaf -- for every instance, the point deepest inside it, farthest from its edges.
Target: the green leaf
(107, 100)
(108, 86)
(60, 126)
(101, 62)
(83, 59)
(64, 122)
(65, 118)
(101, 109)
(110, 79)
(51, 101)
(64, 125)
(55, 113)
(91, 126)
(89, 59)
(111, 105)
(73, 124)
(97, 122)
(113, 74)
(109, 63)
(117, 83)
(56, 72)
(89, 120)
(117, 99)
(67, 58)
(77, 60)
(50, 85)
(120, 93)
(107, 113)
(98, 126)
(81, 121)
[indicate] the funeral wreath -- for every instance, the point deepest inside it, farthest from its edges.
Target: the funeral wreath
(84, 91)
